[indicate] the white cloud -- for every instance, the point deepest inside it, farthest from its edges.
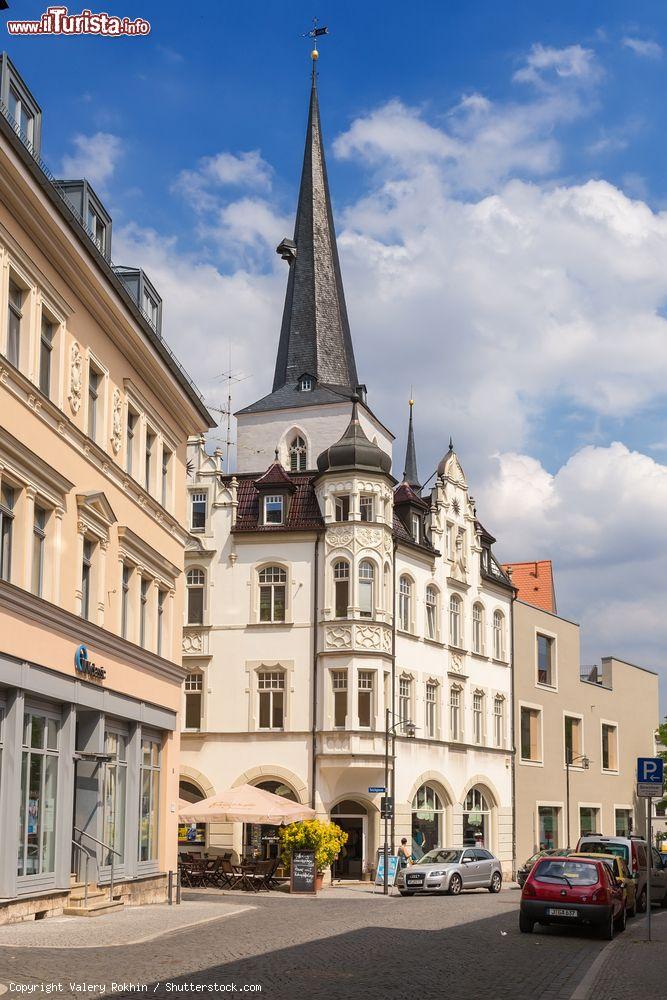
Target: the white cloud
(571, 63)
(95, 157)
(643, 47)
(201, 186)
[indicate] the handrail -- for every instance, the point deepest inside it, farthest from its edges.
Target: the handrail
(107, 847)
(88, 855)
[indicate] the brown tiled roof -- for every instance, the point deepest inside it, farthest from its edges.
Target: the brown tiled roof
(275, 475)
(401, 534)
(405, 494)
(303, 513)
(534, 582)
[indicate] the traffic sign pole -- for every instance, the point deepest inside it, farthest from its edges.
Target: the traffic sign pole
(649, 803)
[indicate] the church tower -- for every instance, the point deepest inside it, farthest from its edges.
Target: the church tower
(315, 374)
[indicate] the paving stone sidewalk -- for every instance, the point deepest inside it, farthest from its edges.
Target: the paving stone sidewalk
(632, 968)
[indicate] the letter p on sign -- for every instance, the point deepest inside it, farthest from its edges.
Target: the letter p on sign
(650, 770)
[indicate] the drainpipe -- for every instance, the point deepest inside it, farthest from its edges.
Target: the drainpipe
(393, 699)
(512, 715)
(313, 776)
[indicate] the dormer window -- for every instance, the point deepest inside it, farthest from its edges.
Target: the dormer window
(23, 117)
(90, 211)
(416, 528)
(305, 383)
(21, 107)
(97, 228)
(273, 509)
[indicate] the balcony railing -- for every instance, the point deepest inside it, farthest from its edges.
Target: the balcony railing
(591, 673)
(105, 261)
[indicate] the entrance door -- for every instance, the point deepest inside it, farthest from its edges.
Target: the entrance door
(351, 858)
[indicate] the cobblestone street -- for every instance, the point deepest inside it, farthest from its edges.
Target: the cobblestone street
(337, 946)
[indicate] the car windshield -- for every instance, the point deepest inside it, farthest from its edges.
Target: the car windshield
(440, 857)
(567, 870)
(599, 847)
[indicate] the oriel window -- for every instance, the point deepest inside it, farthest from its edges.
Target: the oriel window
(366, 582)
(339, 683)
(365, 698)
(341, 573)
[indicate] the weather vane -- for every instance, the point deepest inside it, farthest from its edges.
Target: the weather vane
(315, 33)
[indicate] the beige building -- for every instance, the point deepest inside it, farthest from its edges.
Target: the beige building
(599, 718)
(94, 417)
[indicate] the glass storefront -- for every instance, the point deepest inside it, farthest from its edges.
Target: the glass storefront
(588, 820)
(39, 787)
(623, 822)
(150, 799)
(548, 827)
(476, 820)
(115, 795)
(428, 828)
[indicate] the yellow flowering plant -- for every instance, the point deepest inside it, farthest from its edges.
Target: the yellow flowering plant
(324, 838)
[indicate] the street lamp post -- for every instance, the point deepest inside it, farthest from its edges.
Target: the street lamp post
(570, 759)
(389, 730)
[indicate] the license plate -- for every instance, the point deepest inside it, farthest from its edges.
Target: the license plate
(415, 879)
(554, 911)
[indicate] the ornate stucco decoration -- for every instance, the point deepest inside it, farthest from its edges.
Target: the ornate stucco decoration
(193, 642)
(339, 637)
(75, 378)
(339, 537)
(116, 422)
(456, 663)
(370, 538)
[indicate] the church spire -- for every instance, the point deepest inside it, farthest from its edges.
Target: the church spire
(315, 334)
(410, 475)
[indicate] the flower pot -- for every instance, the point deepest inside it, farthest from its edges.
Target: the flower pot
(319, 879)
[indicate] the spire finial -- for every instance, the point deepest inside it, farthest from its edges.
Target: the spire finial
(276, 454)
(315, 33)
(410, 474)
(451, 443)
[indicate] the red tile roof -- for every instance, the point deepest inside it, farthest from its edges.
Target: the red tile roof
(275, 475)
(303, 509)
(534, 582)
(405, 494)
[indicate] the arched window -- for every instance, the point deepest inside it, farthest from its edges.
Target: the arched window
(498, 635)
(405, 603)
(195, 581)
(478, 628)
(431, 613)
(455, 636)
(476, 820)
(428, 814)
(499, 720)
(366, 582)
(272, 591)
(341, 574)
(298, 455)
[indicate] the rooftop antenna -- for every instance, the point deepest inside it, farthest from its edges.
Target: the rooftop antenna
(232, 378)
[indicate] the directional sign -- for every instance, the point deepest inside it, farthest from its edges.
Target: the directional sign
(650, 777)
(377, 790)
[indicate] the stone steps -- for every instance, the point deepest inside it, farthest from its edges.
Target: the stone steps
(95, 909)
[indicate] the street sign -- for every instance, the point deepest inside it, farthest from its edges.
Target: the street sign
(386, 806)
(376, 790)
(650, 777)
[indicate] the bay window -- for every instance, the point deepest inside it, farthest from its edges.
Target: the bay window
(365, 698)
(341, 572)
(366, 579)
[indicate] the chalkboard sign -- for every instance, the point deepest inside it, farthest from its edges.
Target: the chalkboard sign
(303, 872)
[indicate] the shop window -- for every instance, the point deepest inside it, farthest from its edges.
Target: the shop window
(365, 698)
(431, 710)
(195, 581)
(7, 501)
(573, 740)
(342, 508)
(478, 629)
(341, 573)
(272, 594)
(623, 822)
(588, 820)
(367, 508)
(39, 786)
(499, 721)
(194, 687)
(428, 821)
(38, 548)
(478, 717)
(271, 688)
(298, 457)
(455, 713)
(431, 613)
(15, 324)
(531, 736)
(545, 665)
(366, 583)
(274, 509)
(548, 817)
(198, 511)
(46, 355)
(150, 799)
(339, 684)
(476, 820)
(115, 797)
(609, 747)
(455, 626)
(405, 603)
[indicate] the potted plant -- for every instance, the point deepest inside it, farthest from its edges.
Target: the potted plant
(325, 839)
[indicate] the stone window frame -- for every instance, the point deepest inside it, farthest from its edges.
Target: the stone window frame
(528, 761)
(615, 726)
(255, 570)
(253, 669)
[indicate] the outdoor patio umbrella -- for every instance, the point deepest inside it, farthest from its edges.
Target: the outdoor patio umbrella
(245, 804)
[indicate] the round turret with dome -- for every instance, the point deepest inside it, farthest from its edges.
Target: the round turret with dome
(354, 450)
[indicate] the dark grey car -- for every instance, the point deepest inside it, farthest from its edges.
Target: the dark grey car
(451, 869)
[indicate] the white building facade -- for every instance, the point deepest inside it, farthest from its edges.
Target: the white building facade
(327, 603)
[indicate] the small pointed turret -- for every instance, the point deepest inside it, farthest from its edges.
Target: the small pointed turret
(410, 474)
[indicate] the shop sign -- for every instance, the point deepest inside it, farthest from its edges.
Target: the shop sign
(86, 667)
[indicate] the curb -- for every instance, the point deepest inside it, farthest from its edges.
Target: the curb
(585, 987)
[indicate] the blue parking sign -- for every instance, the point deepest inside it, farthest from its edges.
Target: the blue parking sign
(650, 771)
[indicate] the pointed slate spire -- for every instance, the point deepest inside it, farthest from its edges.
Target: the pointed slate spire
(315, 334)
(410, 474)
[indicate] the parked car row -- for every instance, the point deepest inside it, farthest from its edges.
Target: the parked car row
(600, 884)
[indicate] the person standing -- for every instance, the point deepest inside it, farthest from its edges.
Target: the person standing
(404, 853)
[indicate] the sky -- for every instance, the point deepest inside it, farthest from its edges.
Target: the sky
(499, 179)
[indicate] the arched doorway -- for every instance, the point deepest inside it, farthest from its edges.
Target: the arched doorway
(428, 821)
(191, 836)
(261, 840)
(352, 817)
(476, 819)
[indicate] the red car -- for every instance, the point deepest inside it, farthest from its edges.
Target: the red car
(574, 891)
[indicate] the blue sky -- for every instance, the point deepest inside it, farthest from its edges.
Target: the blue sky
(499, 174)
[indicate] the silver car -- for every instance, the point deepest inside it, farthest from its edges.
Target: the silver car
(450, 870)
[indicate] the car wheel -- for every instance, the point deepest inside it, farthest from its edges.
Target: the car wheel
(525, 924)
(607, 928)
(405, 893)
(455, 885)
(621, 922)
(641, 902)
(496, 882)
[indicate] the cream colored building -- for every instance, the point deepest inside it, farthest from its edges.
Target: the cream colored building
(95, 413)
(601, 717)
(321, 596)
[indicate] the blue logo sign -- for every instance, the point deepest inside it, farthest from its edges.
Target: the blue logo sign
(651, 771)
(377, 790)
(85, 666)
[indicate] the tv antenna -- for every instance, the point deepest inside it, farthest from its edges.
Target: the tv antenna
(232, 378)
